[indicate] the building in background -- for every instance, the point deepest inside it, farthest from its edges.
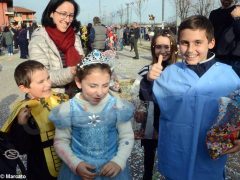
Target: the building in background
(10, 14)
(23, 15)
(6, 12)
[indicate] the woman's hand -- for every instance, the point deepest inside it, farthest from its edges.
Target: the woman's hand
(155, 70)
(111, 169)
(73, 70)
(86, 171)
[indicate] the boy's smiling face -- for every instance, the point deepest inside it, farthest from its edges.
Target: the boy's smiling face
(194, 45)
(40, 86)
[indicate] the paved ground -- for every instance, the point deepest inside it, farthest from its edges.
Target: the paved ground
(126, 68)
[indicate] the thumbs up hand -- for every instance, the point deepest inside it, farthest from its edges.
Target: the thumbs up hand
(156, 69)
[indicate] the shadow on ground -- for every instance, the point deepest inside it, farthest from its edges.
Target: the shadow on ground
(147, 57)
(5, 107)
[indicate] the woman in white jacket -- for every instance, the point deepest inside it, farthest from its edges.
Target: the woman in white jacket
(56, 45)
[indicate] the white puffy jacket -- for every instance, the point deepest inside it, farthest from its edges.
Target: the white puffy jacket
(43, 49)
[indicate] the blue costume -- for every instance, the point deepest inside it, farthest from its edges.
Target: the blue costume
(94, 135)
(189, 106)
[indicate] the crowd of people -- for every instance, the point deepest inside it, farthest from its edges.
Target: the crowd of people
(72, 126)
(16, 37)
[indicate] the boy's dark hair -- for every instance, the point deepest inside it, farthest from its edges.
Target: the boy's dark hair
(86, 70)
(23, 72)
(47, 21)
(197, 22)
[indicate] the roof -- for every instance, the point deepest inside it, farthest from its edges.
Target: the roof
(22, 10)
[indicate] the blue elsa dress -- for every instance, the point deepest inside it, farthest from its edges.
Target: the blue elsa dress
(94, 135)
(189, 107)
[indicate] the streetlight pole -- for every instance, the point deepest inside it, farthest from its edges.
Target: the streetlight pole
(177, 19)
(100, 12)
(163, 14)
(127, 4)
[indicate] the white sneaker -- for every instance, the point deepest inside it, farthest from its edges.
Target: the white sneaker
(11, 54)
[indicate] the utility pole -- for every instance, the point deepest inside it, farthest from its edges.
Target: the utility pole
(100, 11)
(162, 10)
(163, 14)
(176, 17)
(127, 4)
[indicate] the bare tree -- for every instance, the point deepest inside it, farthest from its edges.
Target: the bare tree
(120, 13)
(182, 8)
(139, 9)
(203, 7)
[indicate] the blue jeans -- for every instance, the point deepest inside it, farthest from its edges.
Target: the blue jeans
(120, 43)
(10, 48)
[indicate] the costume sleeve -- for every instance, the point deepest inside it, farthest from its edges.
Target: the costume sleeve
(145, 92)
(62, 147)
(124, 110)
(125, 144)
(61, 115)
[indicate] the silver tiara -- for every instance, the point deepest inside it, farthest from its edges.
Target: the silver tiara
(93, 58)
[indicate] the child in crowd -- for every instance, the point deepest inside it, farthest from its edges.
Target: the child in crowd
(164, 49)
(28, 126)
(94, 126)
(187, 94)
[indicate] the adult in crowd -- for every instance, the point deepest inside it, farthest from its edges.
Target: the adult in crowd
(56, 45)
(136, 32)
(31, 28)
(23, 37)
(15, 30)
(99, 34)
(91, 36)
(226, 23)
(131, 38)
(126, 32)
(120, 37)
(110, 39)
(7, 35)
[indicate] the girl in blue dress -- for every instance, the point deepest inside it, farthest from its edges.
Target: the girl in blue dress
(94, 136)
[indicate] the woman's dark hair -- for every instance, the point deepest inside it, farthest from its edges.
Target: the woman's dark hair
(47, 21)
(77, 26)
(169, 34)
